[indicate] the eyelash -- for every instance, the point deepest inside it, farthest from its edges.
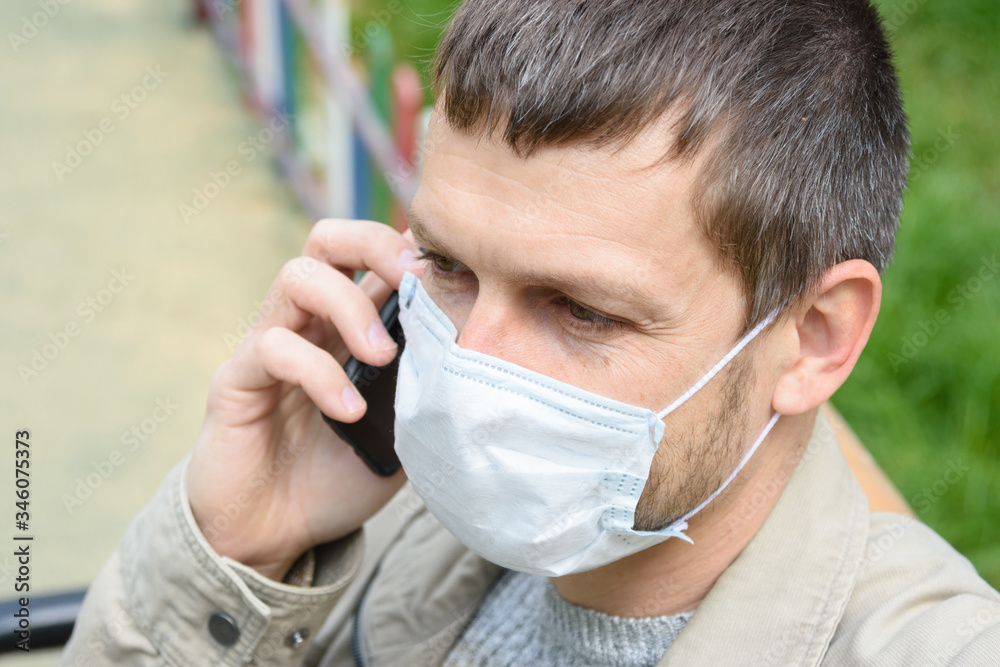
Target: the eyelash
(600, 324)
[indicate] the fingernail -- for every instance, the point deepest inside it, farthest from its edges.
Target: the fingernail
(379, 337)
(408, 260)
(352, 399)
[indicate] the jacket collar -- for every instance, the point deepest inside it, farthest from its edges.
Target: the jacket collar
(779, 602)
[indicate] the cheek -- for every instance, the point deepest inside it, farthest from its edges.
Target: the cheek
(627, 370)
(454, 298)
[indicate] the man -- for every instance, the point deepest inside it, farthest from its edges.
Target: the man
(651, 240)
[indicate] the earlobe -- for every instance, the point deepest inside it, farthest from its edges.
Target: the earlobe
(826, 336)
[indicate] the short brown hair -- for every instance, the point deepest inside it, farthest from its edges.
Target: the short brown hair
(797, 103)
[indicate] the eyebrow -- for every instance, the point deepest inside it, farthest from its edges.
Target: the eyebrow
(621, 291)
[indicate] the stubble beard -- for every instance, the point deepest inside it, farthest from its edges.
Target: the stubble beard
(699, 461)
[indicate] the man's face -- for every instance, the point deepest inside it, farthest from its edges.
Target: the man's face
(586, 265)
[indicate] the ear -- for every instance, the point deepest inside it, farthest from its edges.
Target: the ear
(824, 337)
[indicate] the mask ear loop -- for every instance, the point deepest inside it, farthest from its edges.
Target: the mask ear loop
(707, 377)
(681, 524)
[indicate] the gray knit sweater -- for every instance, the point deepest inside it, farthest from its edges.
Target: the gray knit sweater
(524, 621)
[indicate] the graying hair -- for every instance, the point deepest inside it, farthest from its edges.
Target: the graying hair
(796, 103)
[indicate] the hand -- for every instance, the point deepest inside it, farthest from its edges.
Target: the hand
(268, 478)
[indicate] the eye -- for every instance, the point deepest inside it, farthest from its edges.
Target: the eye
(581, 313)
(445, 264)
(580, 317)
(588, 320)
(441, 263)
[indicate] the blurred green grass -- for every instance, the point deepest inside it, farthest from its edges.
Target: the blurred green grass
(936, 403)
(924, 402)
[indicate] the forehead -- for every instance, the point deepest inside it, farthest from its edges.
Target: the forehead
(606, 213)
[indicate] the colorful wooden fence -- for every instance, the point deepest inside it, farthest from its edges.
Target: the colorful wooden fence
(346, 121)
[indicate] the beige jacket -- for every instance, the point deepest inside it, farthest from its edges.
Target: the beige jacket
(824, 582)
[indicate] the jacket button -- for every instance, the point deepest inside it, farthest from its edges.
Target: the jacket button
(296, 638)
(223, 628)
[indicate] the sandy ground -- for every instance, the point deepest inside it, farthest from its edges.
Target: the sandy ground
(110, 302)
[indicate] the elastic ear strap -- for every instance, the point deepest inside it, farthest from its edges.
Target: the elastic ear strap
(743, 462)
(706, 378)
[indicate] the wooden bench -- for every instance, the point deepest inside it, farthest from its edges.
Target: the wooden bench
(882, 494)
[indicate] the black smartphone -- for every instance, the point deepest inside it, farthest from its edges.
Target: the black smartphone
(372, 436)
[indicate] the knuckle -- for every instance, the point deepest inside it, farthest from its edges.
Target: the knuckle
(322, 232)
(221, 374)
(286, 273)
(325, 226)
(307, 266)
(220, 378)
(269, 343)
(296, 271)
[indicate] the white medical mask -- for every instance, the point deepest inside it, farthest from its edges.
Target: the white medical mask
(531, 473)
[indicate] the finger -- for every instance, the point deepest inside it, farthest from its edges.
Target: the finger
(332, 297)
(275, 309)
(363, 245)
(377, 289)
(326, 309)
(285, 356)
(321, 294)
